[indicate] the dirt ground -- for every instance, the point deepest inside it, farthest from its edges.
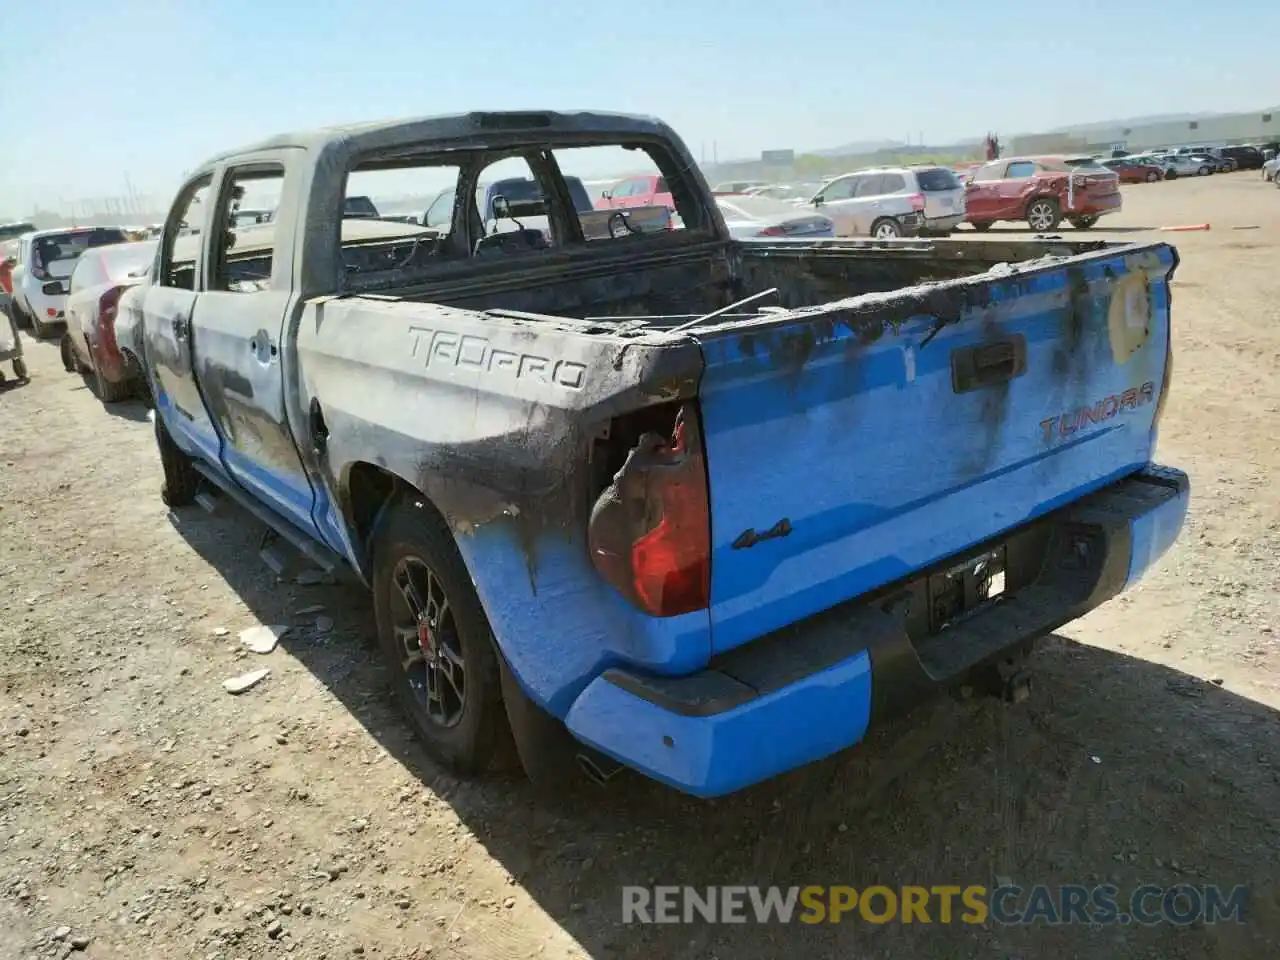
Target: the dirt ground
(153, 815)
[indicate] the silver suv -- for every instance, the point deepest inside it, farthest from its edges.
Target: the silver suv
(891, 202)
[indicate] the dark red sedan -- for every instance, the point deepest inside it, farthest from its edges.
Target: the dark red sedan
(1131, 171)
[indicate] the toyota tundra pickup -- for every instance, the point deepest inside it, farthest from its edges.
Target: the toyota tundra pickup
(657, 499)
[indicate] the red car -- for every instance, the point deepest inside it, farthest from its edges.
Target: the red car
(1131, 171)
(100, 278)
(1042, 191)
(637, 192)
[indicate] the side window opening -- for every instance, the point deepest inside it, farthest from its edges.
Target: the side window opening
(513, 211)
(655, 197)
(870, 186)
(401, 216)
(245, 243)
(180, 252)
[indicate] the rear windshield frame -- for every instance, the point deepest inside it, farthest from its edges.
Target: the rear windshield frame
(930, 178)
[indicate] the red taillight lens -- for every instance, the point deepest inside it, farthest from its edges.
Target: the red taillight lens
(108, 306)
(650, 531)
(917, 202)
(772, 232)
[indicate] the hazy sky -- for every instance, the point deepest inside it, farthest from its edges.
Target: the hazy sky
(97, 89)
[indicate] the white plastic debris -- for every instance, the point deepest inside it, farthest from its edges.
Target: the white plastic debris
(1096, 759)
(245, 681)
(262, 638)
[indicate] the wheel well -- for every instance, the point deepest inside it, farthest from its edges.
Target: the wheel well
(369, 488)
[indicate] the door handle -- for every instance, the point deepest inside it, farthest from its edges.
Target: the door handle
(180, 328)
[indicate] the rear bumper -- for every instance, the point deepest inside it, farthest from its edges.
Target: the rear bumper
(813, 688)
(949, 222)
(1095, 206)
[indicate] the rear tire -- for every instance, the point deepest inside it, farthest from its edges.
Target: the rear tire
(106, 390)
(181, 481)
(982, 226)
(414, 554)
(1204, 171)
(1043, 214)
(1084, 223)
(886, 228)
(1152, 176)
(39, 329)
(1171, 174)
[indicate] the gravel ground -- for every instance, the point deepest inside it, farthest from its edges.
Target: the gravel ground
(147, 813)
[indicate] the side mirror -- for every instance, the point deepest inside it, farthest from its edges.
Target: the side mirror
(52, 289)
(606, 195)
(817, 201)
(501, 209)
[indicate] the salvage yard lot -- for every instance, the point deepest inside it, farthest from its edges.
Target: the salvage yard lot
(157, 816)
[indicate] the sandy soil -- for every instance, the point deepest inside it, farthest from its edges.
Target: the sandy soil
(153, 815)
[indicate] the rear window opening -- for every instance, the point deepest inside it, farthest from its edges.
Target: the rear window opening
(64, 249)
(937, 180)
(525, 202)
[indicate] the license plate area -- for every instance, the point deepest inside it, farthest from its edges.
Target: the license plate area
(966, 588)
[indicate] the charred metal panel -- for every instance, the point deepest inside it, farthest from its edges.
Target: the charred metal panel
(492, 418)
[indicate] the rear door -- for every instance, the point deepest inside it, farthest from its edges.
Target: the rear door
(166, 316)
(841, 460)
(239, 332)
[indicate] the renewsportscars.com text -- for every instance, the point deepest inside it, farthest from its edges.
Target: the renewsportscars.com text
(1181, 904)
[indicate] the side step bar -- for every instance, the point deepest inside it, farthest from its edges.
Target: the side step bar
(318, 554)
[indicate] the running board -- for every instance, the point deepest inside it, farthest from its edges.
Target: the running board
(321, 556)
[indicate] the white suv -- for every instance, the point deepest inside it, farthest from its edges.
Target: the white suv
(45, 261)
(891, 202)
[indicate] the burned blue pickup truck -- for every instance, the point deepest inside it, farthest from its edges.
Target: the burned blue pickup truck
(656, 498)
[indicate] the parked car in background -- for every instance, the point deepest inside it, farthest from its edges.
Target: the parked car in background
(738, 186)
(749, 216)
(1177, 164)
(45, 261)
(1132, 170)
(780, 191)
(1246, 157)
(643, 191)
(893, 202)
(1270, 167)
(11, 231)
(99, 280)
(1043, 191)
(359, 207)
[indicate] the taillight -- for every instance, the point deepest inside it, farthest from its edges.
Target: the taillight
(917, 202)
(772, 232)
(108, 306)
(650, 531)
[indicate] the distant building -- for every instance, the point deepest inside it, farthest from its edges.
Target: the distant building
(1261, 126)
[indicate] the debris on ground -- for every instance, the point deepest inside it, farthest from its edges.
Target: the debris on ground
(245, 681)
(262, 638)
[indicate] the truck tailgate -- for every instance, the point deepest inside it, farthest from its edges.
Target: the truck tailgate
(851, 444)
